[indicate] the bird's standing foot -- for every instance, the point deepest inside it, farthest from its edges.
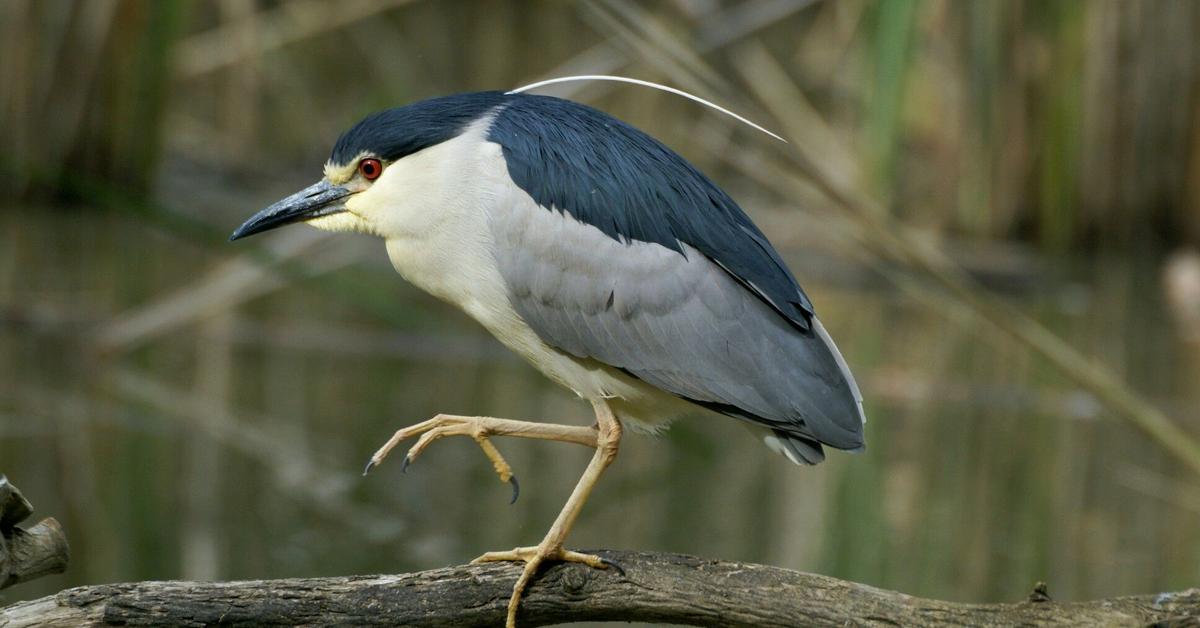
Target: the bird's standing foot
(534, 557)
(535, 554)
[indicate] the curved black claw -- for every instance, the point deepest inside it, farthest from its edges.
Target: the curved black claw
(512, 479)
(367, 469)
(404, 467)
(613, 564)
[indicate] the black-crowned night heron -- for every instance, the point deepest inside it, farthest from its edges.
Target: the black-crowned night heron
(601, 256)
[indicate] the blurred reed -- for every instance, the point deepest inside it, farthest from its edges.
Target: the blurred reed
(85, 90)
(1066, 124)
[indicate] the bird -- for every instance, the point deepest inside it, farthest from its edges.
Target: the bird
(601, 256)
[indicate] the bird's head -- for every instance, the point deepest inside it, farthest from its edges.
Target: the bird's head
(374, 168)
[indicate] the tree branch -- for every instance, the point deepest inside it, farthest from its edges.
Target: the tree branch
(27, 554)
(664, 588)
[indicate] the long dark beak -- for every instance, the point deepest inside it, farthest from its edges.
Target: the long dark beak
(319, 199)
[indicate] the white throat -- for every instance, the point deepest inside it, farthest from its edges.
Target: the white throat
(432, 209)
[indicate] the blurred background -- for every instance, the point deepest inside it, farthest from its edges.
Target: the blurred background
(994, 204)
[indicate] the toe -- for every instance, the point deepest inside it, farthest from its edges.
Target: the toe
(590, 560)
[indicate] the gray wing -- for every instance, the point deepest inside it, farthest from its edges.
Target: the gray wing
(678, 322)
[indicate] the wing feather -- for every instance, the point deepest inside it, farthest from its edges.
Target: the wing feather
(678, 322)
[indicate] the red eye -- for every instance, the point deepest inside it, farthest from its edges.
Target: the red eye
(370, 169)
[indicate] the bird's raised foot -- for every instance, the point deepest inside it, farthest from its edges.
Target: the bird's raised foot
(533, 558)
(441, 426)
(480, 428)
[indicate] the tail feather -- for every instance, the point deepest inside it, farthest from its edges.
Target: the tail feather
(797, 449)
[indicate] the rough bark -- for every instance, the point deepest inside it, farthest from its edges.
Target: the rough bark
(26, 554)
(660, 588)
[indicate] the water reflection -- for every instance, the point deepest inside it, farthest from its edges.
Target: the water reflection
(229, 445)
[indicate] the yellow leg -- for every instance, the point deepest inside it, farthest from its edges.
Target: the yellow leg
(608, 439)
(605, 437)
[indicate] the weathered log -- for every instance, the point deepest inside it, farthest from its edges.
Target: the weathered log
(660, 588)
(26, 554)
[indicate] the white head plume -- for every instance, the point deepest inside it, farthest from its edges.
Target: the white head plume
(665, 88)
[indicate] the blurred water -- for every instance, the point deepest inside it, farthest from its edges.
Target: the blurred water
(230, 445)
